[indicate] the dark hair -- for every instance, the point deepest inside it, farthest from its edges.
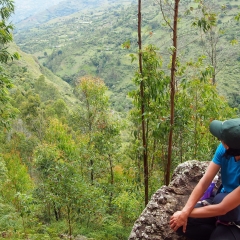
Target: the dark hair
(232, 152)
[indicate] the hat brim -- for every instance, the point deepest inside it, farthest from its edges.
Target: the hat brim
(216, 128)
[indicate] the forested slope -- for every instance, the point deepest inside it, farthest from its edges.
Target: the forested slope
(90, 42)
(27, 70)
(71, 155)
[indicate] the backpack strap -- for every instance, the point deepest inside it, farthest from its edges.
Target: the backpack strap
(219, 189)
(235, 231)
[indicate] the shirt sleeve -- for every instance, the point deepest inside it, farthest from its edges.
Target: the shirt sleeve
(217, 158)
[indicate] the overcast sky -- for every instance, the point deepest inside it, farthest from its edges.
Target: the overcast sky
(26, 8)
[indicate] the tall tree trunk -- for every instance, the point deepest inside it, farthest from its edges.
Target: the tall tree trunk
(69, 222)
(172, 85)
(111, 182)
(90, 139)
(144, 142)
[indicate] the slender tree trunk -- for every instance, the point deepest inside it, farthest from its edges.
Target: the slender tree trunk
(144, 142)
(69, 222)
(172, 85)
(55, 211)
(90, 139)
(24, 227)
(153, 156)
(181, 145)
(195, 125)
(214, 57)
(112, 182)
(91, 166)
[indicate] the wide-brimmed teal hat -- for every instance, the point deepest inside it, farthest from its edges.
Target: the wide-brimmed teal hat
(228, 131)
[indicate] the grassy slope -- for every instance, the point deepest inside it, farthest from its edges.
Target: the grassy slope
(97, 35)
(81, 37)
(35, 69)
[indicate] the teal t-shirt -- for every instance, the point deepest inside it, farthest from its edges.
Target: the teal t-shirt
(230, 169)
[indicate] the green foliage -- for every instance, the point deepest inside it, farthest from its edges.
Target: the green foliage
(97, 51)
(71, 164)
(45, 90)
(206, 22)
(6, 10)
(19, 180)
(61, 186)
(91, 91)
(237, 17)
(197, 103)
(155, 99)
(17, 198)
(7, 111)
(67, 194)
(154, 81)
(128, 205)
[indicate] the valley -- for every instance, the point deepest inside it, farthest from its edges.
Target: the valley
(90, 42)
(86, 138)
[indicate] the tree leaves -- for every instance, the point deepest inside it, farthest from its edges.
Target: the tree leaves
(206, 22)
(6, 110)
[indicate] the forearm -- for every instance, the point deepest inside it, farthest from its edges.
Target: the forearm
(207, 211)
(179, 218)
(230, 202)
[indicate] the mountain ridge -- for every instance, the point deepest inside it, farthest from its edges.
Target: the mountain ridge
(27, 8)
(57, 8)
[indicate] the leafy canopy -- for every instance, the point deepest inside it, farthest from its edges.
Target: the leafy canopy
(6, 110)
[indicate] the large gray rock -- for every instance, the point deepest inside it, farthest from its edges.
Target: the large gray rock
(153, 223)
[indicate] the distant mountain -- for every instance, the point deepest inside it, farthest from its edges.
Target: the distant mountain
(27, 8)
(29, 13)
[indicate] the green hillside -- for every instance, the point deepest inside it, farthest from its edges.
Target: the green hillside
(72, 166)
(25, 71)
(45, 11)
(90, 42)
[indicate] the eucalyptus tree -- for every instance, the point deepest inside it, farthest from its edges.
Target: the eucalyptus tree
(144, 141)
(216, 41)
(155, 100)
(108, 145)
(173, 26)
(153, 89)
(178, 116)
(99, 128)
(172, 85)
(91, 92)
(197, 104)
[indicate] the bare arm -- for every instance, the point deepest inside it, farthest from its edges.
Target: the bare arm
(230, 202)
(179, 218)
(201, 187)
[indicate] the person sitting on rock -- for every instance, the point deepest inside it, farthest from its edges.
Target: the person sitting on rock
(220, 218)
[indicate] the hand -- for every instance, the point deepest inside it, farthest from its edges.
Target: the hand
(177, 220)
